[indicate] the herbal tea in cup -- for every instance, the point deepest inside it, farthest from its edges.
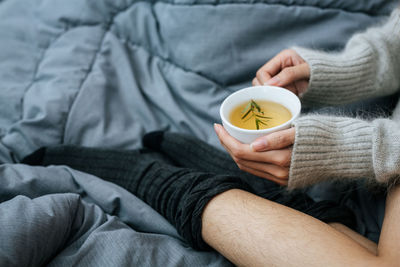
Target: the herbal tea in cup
(259, 114)
(256, 111)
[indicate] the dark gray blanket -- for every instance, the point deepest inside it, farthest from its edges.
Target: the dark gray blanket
(104, 72)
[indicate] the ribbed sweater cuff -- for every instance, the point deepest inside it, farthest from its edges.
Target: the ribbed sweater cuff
(367, 67)
(329, 148)
(339, 78)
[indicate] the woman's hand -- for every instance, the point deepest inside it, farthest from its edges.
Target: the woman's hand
(288, 70)
(267, 157)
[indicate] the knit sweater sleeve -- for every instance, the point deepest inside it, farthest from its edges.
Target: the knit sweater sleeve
(329, 148)
(369, 66)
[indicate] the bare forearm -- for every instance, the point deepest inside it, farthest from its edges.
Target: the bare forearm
(252, 231)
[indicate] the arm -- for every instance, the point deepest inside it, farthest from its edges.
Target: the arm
(343, 148)
(324, 148)
(368, 67)
(252, 231)
(328, 148)
(331, 147)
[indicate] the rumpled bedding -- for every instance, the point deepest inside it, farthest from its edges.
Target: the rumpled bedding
(103, 73)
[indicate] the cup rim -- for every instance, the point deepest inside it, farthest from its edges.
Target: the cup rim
(226, 121)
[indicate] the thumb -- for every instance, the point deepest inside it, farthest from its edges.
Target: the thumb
(290, 75)
(274, 141)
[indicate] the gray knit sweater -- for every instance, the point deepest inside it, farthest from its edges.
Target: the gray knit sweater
(329, 148)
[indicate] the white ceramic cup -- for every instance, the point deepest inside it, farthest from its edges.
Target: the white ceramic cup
(270, 93)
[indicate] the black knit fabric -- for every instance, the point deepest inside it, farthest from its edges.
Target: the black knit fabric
(189, 152)
(177, 176)
(179, 194)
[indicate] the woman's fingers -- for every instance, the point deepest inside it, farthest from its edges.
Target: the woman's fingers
(274, 141)
(232, 145)
(301, 87)
(255, 82)
(287, 69)
(273, 66)
(239, 151)
(272, 165)
(298, 87)
(265, 175)
(274, 170)
(290, 75)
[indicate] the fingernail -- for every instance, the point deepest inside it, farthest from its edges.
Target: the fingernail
(216, 128)
(259, 145)
(272, 81)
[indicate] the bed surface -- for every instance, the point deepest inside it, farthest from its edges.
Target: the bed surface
(103, 73)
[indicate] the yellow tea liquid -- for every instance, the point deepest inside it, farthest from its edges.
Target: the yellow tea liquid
(277, 114)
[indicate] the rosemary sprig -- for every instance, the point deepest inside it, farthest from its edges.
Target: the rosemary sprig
(255, 111)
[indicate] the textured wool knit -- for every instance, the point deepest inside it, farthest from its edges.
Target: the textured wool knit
(329, 148)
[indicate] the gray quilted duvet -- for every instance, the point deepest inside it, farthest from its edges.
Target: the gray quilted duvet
(103, 73)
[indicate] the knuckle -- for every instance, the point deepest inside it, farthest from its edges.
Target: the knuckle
(280, 138)
(286, 52)
(284, 139)
(237, 152)
(238, 161)
(282, 160)
(288, 72)
(279, 160)
(288, 61)
(276, 139)
(259, 73)
(290, 52)
(287, 161)
(282, 174)
(233, 148)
